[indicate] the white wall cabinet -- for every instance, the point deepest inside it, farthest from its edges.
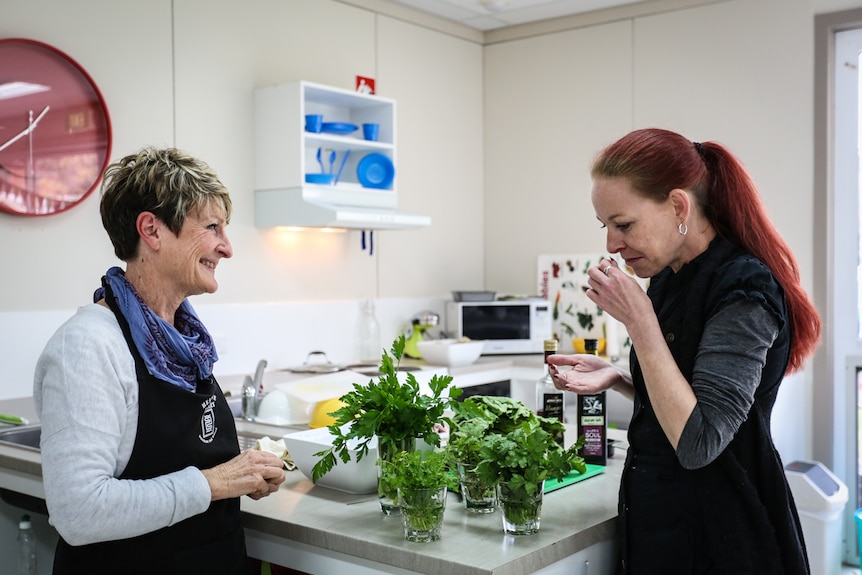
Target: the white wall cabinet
(285, 153)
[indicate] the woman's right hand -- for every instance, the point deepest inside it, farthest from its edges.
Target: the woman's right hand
(588, 374)
(253, 472)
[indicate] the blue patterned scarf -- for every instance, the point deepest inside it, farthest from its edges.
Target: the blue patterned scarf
(180, 354)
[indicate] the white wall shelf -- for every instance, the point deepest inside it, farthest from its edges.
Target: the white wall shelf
(285, 152)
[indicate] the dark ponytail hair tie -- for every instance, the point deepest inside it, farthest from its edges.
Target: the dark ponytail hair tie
(700, 151)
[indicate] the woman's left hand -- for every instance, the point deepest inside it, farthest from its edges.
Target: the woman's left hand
(253, 472)
(617, 293)
(588, 373)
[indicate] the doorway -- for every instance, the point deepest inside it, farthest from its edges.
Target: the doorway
(844, 320)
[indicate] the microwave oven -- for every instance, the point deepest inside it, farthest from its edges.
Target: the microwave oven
(512, 326)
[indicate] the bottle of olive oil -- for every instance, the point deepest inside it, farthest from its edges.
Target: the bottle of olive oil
(593, 419)
(550, 401)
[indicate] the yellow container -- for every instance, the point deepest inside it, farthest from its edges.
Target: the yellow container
(320, 414)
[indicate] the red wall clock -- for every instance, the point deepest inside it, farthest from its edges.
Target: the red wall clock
(55, 132)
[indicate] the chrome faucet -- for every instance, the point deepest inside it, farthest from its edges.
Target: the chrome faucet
(249, 399)
(258, 375)
(252, 391)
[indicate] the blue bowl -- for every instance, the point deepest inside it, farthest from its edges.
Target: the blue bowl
(375, 171)
(325, 179)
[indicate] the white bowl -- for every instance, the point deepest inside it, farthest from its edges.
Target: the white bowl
(274, 409)
(450, 352)
(351, 477)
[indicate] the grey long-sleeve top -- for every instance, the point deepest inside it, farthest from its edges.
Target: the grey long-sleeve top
(730, 358)
(86, 395)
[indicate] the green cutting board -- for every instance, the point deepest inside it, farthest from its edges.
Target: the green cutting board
(574, 477)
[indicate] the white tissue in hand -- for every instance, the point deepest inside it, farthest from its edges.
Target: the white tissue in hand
(277, 448)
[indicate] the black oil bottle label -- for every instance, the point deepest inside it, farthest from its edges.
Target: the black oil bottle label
(552, 405)
(592, 425)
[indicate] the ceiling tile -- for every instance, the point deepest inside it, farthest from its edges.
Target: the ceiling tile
(474, 14)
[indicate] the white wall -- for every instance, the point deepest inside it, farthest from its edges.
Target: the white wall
(826, 6)
(282, 333)
(550, 103)
(183, 73)
(739, 72)
(54, 262)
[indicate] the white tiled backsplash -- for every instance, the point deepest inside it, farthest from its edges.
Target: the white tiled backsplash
(281, 333)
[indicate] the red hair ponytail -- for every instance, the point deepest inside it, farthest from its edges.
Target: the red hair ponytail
(657, 161)
(735, 208)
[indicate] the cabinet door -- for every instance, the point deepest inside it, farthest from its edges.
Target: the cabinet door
(285, 152)
(597, 559)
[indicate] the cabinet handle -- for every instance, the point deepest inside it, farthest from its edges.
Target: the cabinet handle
(586, 567)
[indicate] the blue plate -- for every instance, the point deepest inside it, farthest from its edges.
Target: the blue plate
(375, 171)
(338, 127)
(320, 178)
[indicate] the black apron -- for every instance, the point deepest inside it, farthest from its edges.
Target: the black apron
(176, 428)
(736, 515)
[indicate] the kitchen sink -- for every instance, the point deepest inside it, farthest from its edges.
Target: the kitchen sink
(235, 404)
(247, 439)
(26, 436)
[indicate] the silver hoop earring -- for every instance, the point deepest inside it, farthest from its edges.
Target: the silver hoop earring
(683, 228)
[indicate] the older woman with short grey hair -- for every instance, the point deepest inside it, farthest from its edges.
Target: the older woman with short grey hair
(141, 463)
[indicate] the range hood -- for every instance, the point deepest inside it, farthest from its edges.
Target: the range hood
(303, 207)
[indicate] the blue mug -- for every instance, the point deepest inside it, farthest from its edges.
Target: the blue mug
(314, 123)
(371, 131)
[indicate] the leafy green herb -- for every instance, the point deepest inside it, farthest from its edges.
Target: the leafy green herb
(488, 413)
(526, 456)
(507, 442)
(419, 470)
(389, 409)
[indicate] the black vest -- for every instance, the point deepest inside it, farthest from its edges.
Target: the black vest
(736, 515)
(176, 429)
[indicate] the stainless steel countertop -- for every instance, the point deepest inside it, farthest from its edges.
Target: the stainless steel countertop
(573, 518)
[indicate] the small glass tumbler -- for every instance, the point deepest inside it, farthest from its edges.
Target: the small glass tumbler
(386, 450)
(479, 497)
(521, 511)
(422, 513)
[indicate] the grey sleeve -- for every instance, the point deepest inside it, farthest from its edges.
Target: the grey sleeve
(727, 370)
(85, 389)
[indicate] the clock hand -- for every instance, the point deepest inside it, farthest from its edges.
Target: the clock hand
(31, 167)
(14, 139)
(39, 117)
(26, 130)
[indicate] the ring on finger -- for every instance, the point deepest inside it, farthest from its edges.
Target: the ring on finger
(607, 269)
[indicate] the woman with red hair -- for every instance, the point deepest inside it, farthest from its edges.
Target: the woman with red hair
(723, 320)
